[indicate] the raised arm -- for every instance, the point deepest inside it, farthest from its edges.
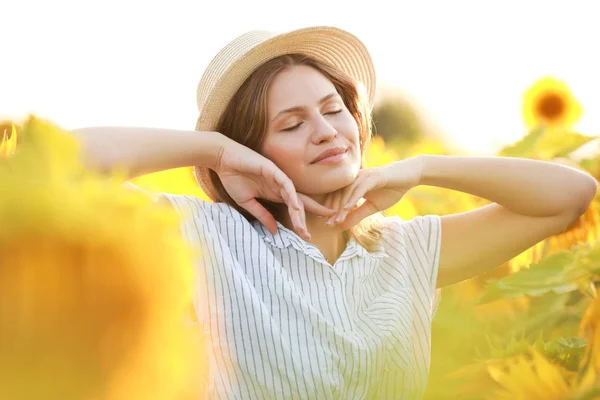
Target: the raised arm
(141, 151)
(245, 174)
(531, 200)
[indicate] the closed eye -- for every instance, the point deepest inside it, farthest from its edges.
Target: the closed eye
(292, 128)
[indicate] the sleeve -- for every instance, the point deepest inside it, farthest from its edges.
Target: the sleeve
(194, 218)
(425, 235)
(422, 238)
(186, 206)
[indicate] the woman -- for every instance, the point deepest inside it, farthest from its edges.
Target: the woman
(306, 291)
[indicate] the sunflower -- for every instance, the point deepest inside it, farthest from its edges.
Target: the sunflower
(530, 377)
(95, 283)
(549, 102)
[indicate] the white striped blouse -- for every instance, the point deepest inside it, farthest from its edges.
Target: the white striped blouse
(282, 323)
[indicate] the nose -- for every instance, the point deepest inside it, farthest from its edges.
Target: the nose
(323, 131)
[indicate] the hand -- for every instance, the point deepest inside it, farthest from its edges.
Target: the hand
(381, 187)
(247, 176)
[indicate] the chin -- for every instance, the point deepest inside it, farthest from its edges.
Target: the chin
(330, 181)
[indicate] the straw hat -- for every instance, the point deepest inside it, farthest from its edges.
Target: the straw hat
(230, 68)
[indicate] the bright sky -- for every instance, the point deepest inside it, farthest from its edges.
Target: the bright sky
(137, 63)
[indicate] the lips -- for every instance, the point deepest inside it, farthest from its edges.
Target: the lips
(333, 151)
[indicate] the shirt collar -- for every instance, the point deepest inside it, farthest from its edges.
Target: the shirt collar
(285, 237)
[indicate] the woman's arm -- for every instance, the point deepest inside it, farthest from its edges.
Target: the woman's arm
(528, 187)
(142, 151)
(532, 201)
(245, 174)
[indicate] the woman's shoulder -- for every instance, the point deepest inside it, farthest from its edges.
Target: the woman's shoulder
(188, 204)
(395, 225)
(183, 203)
(417, 243)
(420, 236)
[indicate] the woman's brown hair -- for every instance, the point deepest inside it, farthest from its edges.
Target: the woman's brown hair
(245, 121)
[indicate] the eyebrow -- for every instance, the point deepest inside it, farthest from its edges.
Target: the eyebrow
(299, 108)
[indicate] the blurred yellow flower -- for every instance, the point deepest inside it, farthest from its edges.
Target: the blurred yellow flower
(378, 155)
(529, 378)
(549, 102)
(95, 283)
(173, 181)
(8, 144)
(590, 364)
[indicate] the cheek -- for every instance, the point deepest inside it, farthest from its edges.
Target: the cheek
(351, 133)
(287, 157)
(349, 127)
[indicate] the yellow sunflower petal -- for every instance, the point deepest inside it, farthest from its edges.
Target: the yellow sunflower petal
(8, 145)
(532, 378)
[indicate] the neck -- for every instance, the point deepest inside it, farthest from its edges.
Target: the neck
(330, 240)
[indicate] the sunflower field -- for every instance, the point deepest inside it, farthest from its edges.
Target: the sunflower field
(530, 328)
(95, 281)
(527, 330)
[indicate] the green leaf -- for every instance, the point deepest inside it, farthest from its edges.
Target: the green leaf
(546, 144)
(559, 144)
(555, 273)
(592, 165)
(543, 315)
(590, 260)
(549, 270)
(566, 351)
(525, 147)
(511, 348)
(539, 344)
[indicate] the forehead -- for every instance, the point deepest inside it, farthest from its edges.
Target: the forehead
(299, 85)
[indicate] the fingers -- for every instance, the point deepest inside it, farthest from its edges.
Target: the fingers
(261, 214)
(288, 191)
(288, 194)
(348, 195)
(362, 212)
(335, 204)
(344, 209)
(352, 197)
(298, 218)
(302, 212)
(328, 200)
(314, 207)
(361, 187)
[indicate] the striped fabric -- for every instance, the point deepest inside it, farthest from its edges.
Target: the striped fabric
(284, 324)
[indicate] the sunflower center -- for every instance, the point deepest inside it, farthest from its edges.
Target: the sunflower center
(551, 106)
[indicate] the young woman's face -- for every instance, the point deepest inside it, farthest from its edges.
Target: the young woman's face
(307, 117)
